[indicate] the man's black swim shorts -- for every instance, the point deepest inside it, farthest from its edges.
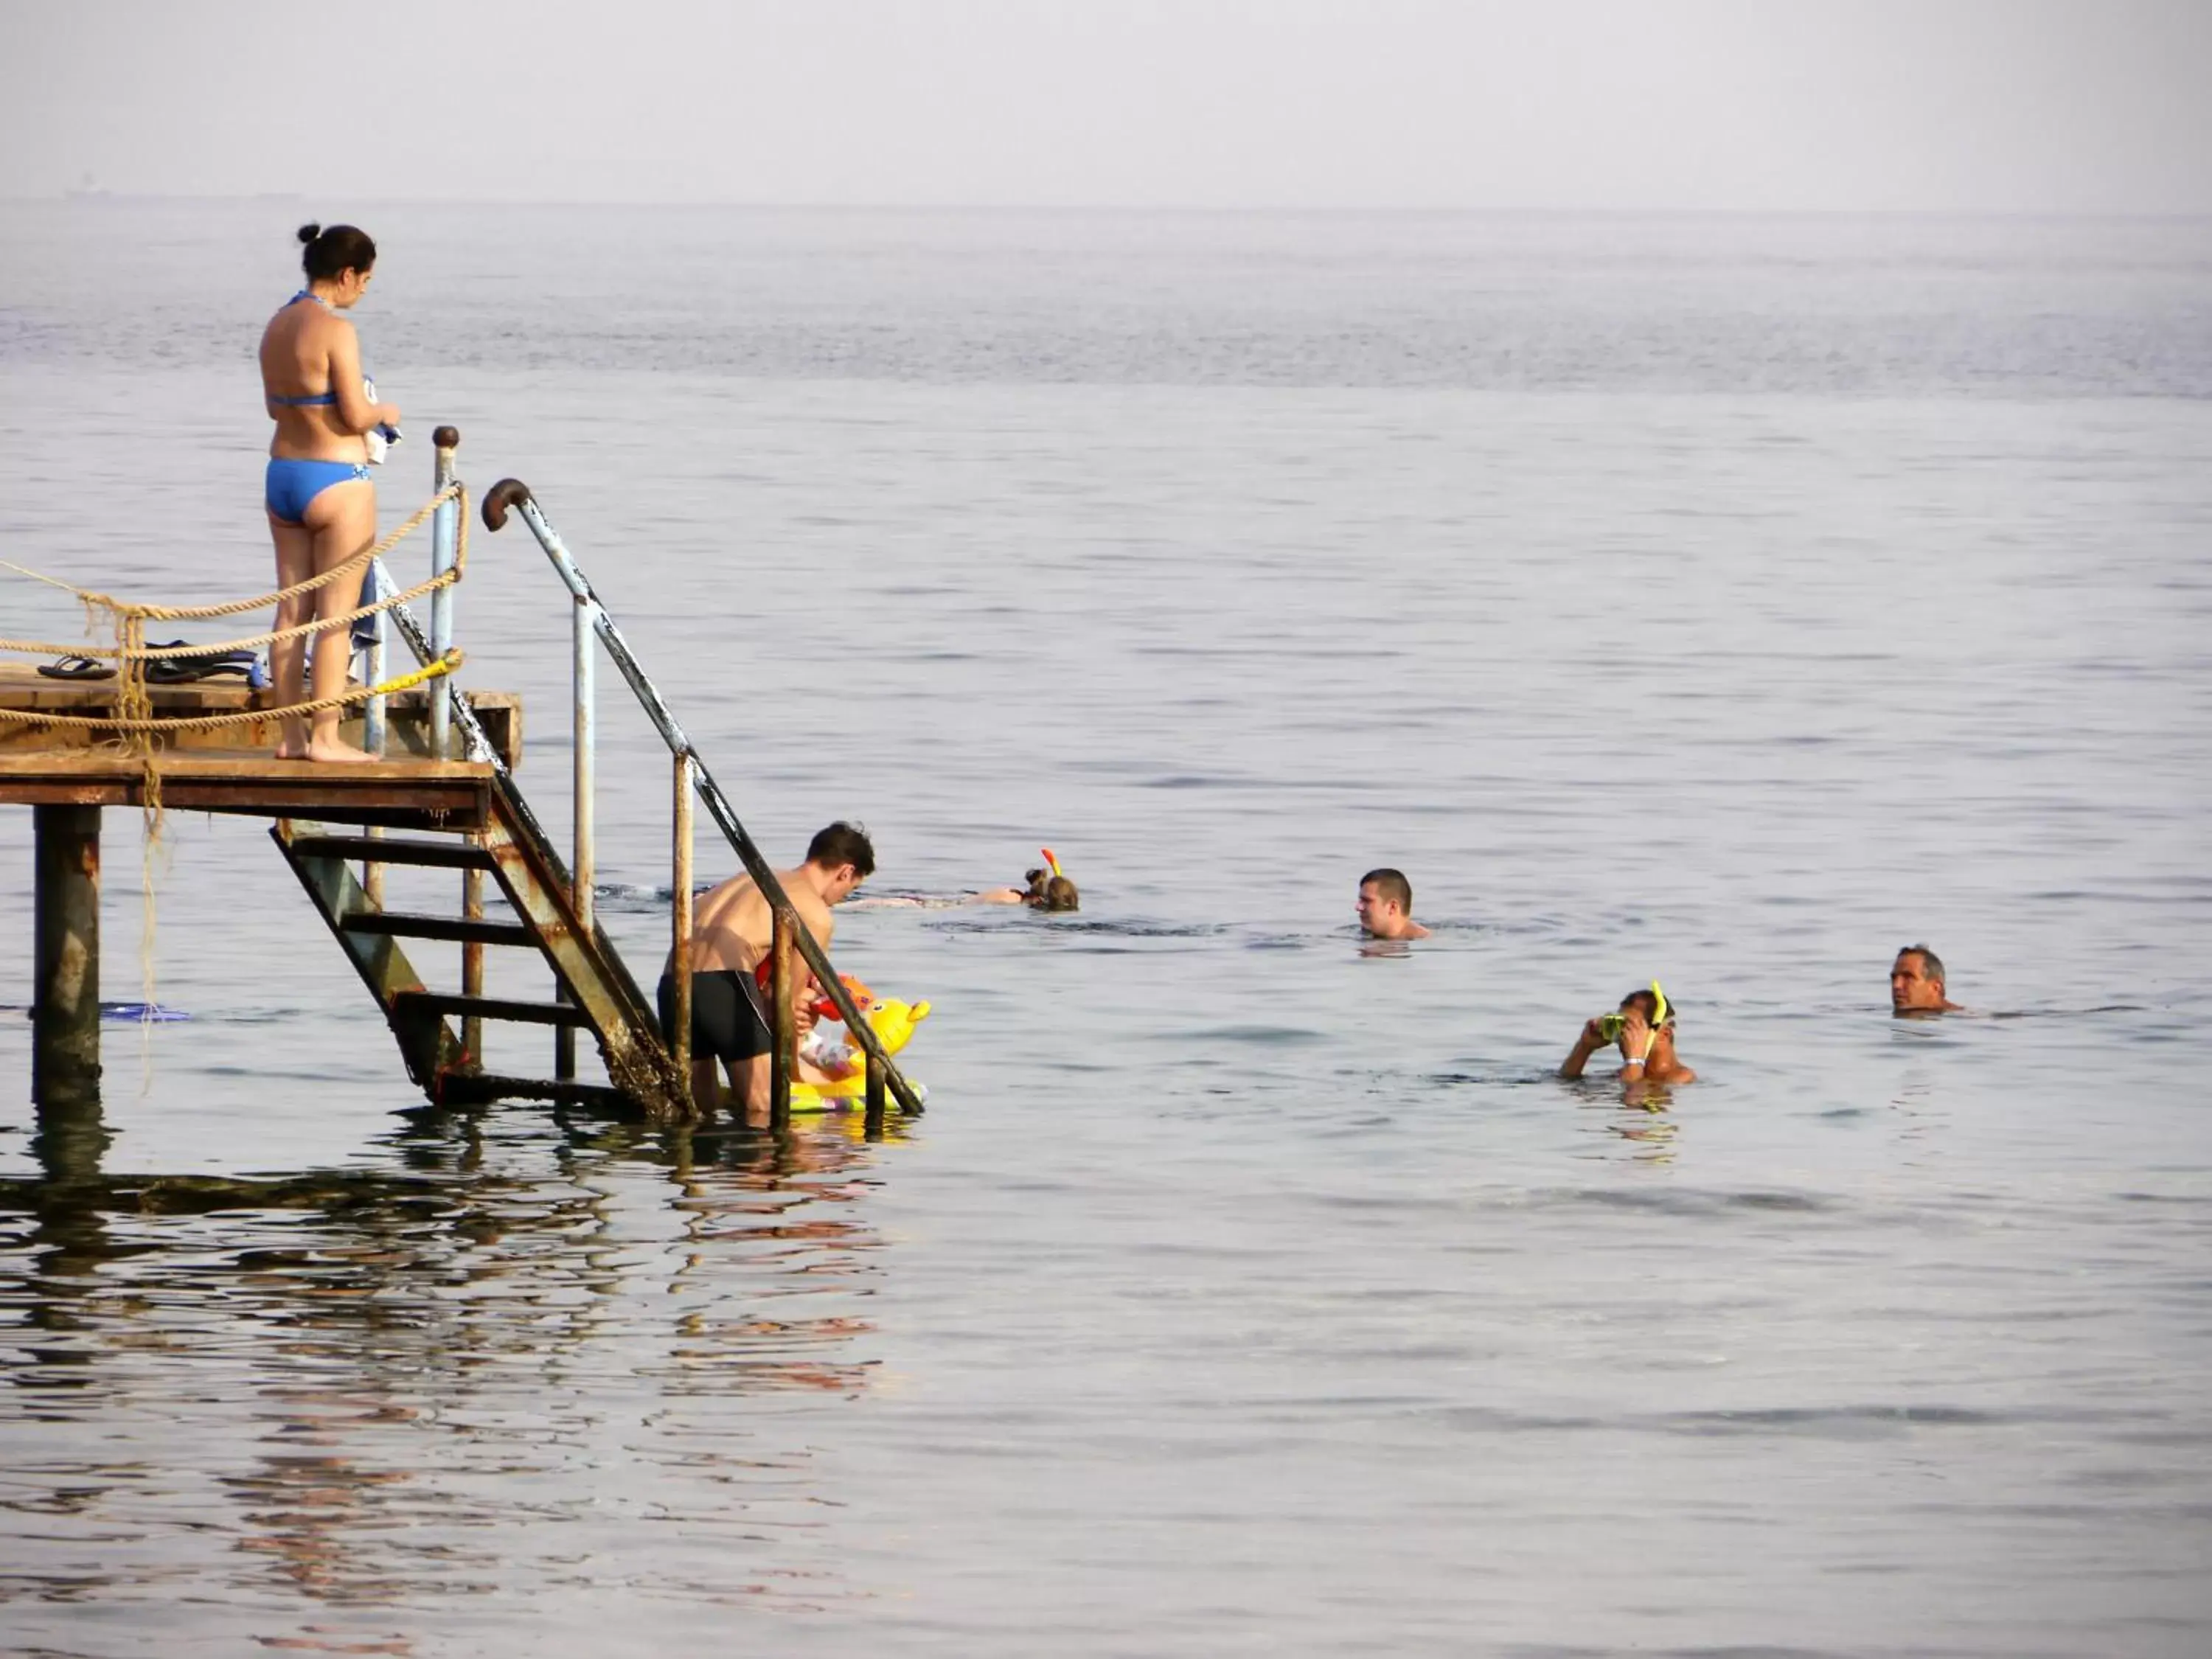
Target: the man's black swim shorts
(727, 1020)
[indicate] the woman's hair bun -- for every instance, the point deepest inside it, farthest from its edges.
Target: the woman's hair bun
(308, 233)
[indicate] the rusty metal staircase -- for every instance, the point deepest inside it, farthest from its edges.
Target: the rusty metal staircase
(596, 991)
(481, 827)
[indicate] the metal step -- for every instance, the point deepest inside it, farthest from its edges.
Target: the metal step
(467, 930)
(525, 1013)
(370, 849)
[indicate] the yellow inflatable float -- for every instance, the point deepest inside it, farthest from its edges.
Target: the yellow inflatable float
(844, 1076)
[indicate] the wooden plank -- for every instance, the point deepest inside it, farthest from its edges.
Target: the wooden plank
(500, 712)
(527, 1013)
(468, 930)
(430, 854)
(241, 765)
(454, 793)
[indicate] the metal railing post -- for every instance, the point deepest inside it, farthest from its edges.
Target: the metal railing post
(444, 538)
(679, 921)
(583, 729)
(783, 990)
(373, 723)
(372, 716)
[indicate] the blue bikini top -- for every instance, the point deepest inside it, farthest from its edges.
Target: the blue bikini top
(314, 398)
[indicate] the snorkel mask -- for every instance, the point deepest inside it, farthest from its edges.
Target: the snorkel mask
(1610, 1026)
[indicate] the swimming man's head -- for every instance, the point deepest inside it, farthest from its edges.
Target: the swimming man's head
(1916, 982)
(1386, 904)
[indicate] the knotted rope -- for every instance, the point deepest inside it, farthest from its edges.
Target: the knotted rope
(134, 724)
(131, 647)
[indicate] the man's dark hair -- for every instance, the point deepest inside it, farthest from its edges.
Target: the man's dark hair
(1932, 965)
(1647, 1004)
(842, 843)
(1392, 886)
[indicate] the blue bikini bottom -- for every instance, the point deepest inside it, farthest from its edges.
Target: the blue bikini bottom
(292, 484)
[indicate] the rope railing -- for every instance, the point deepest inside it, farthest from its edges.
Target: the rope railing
(435, 670)
(134, 724)
(353, 565)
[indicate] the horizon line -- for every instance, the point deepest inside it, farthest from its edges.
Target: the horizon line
(77, 195)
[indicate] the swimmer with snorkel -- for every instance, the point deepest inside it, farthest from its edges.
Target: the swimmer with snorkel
(1642, 1028)
(1048, 889)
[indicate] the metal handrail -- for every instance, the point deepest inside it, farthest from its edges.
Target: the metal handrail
(591, 618)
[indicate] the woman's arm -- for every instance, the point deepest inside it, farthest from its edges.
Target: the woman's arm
(354, 411)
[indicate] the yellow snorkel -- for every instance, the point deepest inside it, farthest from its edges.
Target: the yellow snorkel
(1051, 862)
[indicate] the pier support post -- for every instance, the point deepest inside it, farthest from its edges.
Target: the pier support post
(66, 956)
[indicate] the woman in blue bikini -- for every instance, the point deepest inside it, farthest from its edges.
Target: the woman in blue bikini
(322, 507)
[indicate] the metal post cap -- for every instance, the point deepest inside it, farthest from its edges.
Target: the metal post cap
(507, 493)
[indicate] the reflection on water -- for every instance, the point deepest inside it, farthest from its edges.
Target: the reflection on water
(538, 1358)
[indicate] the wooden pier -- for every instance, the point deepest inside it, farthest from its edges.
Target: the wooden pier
(417, 804)
(459, 815)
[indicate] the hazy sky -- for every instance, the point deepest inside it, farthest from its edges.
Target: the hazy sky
(2096, 105)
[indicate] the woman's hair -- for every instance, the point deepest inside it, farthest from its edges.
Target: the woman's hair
(1059, 894)
(327, 255)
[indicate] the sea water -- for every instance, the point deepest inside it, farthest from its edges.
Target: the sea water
(1729, 601)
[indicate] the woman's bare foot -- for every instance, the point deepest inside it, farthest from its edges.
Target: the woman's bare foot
(291, 749)
(334, 750)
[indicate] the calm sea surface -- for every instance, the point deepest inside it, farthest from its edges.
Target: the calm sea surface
(1731, 601)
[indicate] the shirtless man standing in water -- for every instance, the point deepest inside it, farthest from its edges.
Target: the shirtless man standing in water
(732, 932)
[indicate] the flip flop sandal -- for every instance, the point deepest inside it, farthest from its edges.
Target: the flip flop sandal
(77, 668)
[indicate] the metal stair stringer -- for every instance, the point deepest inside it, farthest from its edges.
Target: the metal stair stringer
(536, 885)
(428, 1046)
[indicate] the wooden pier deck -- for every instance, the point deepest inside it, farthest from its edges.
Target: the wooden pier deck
(23, 688)
(461, 816)
(391, 793)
